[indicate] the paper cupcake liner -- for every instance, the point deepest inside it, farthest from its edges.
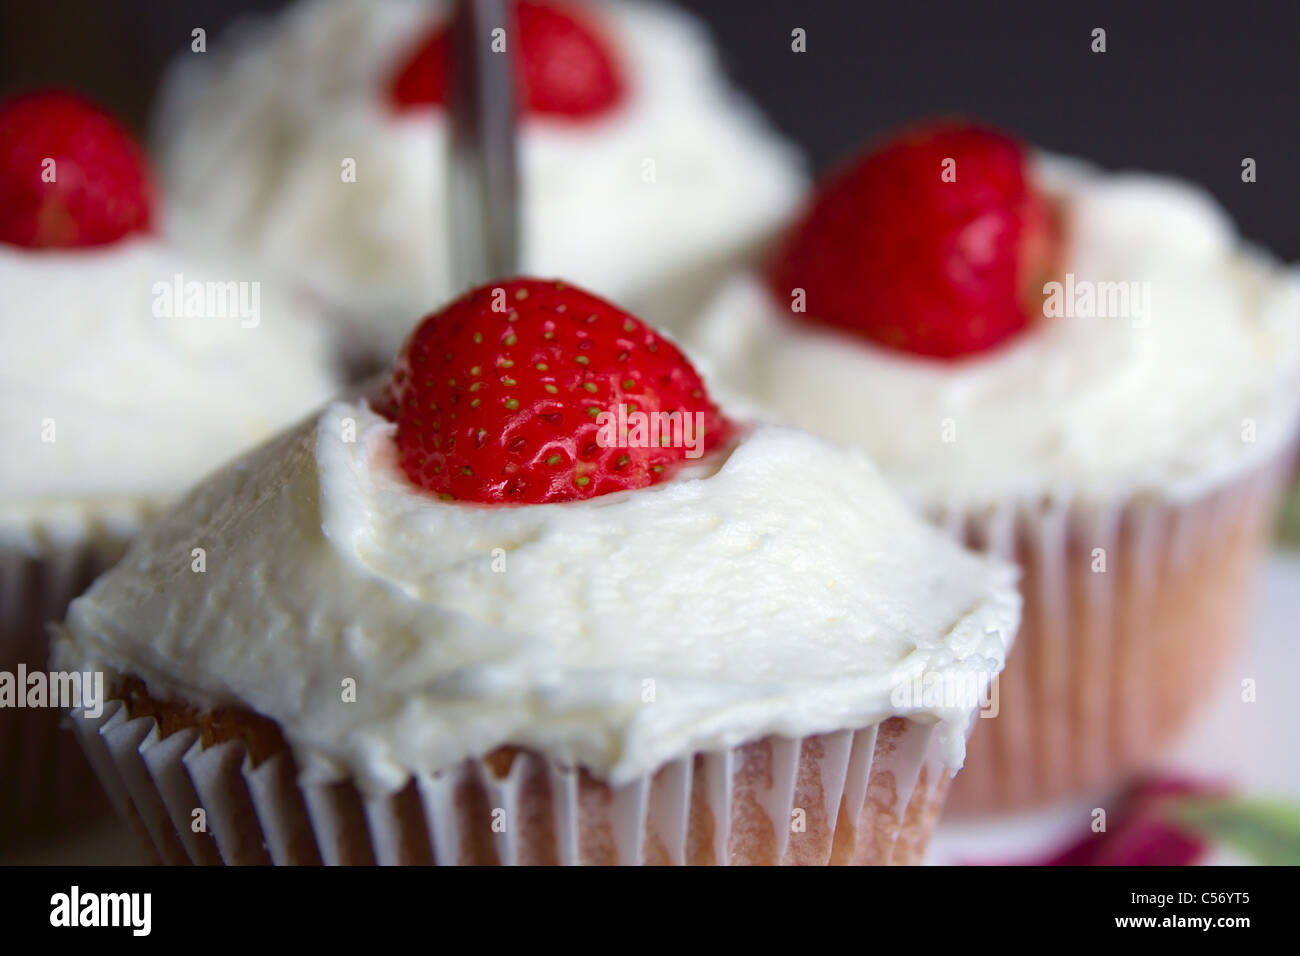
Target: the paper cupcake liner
(45, 784)
(869, 796)
(1109, 665)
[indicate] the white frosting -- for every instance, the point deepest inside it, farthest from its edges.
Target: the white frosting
(639, 206)
(110, 408)
(1090, 407)
(777, 589)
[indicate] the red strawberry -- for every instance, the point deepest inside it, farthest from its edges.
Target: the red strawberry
(563, 65)
(69, 174)
(498, 397)
(891, 251)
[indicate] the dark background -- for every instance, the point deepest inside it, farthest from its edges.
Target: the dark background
(1189, 88)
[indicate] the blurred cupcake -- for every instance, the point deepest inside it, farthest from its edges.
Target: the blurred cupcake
(487, 617)
(129, 370)
(1088, 373)
(319, 140)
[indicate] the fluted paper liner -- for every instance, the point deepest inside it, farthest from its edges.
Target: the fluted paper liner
(869, 796)
(1110, 665)
(44, 782)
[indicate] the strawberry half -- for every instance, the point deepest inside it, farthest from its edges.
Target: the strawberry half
(511, 395)
(69, 174)
(563, 65)
(936, 243)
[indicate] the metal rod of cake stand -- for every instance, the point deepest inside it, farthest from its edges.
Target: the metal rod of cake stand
(483, 180)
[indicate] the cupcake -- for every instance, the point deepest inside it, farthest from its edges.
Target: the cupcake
(120, 388)
(319, 140)
(533, 599)
(1086, 372)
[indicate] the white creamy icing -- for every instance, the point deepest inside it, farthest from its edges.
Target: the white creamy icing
(642, 206)
(1092, 407)
(780, 588)
(108, 407)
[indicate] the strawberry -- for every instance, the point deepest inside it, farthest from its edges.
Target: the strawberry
(891, 251)
(69, 174)
(563, 65)
(498, 398)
